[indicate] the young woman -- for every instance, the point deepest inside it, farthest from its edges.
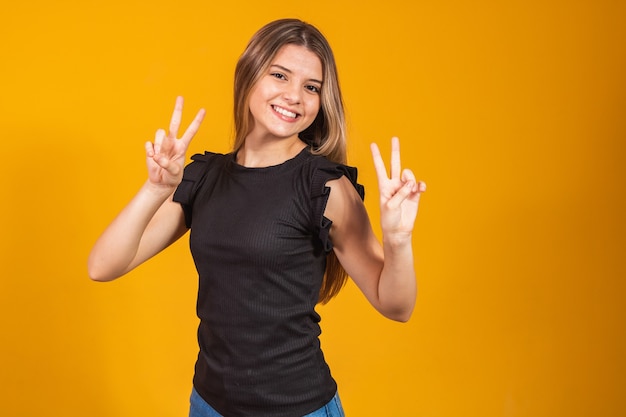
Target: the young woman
(276, 227)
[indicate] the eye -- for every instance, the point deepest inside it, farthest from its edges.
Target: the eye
(278, 75)
(313, 88)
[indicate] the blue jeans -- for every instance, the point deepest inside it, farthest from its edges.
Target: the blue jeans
(200, 408)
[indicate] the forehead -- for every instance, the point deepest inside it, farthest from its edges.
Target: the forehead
(299, 59)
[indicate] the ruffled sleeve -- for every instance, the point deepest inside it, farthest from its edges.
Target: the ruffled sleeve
(320, 194)
(192, 178)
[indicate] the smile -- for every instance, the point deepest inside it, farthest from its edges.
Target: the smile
(285, 112)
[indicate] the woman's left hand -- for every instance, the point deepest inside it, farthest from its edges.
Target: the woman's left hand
(399, 195)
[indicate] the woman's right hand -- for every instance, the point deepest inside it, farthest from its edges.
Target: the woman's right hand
(166, 156)
(151, 221)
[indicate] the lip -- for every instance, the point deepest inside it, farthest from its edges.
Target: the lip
(280, 112)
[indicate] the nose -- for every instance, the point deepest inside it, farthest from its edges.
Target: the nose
(292, 93)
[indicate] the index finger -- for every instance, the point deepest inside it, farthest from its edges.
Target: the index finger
(379, 164)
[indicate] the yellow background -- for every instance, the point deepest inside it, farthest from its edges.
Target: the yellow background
(512, 112)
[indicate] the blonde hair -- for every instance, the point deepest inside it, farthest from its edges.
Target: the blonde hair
(326, 135)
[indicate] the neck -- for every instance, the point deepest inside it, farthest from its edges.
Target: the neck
(260, 154)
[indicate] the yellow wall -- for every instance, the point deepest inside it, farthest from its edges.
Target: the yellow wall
(513, 112)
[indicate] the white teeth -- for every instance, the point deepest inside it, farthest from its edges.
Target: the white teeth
(284, 112)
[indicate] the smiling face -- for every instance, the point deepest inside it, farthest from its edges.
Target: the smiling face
(286, 99)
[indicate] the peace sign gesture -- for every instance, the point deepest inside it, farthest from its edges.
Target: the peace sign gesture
(166, 156)
(399, 194)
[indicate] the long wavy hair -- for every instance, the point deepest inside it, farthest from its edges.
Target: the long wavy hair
(326, 135)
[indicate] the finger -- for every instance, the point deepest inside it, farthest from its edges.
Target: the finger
(149, 149)
(158, 140)
(162, 161)
(407, 175)
(404, 192)
(193, 127)
(379, 164)
(395, 158)
(176, 117)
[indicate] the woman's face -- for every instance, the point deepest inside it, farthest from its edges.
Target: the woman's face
(286, 99)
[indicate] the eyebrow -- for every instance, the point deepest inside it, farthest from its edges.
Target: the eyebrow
(290, 72)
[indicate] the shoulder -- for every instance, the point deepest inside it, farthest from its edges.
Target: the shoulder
(323, 172)
(343, 200)
(196, 173)
(201, 162)
(207, 156)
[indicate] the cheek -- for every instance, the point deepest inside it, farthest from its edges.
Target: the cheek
(256, 101)
(313, 107)
(259, 92)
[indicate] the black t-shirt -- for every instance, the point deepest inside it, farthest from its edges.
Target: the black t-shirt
(259, 240)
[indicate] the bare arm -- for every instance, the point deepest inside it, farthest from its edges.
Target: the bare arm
(151, 221)
(146, 226)
(384, 273)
